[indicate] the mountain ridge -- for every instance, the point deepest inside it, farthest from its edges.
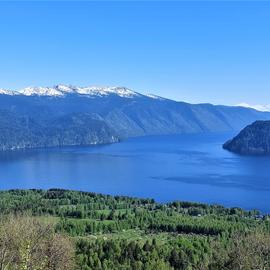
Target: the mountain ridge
(117, 113)
(62, 90)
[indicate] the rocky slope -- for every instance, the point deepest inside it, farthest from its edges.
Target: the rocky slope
(252, 140)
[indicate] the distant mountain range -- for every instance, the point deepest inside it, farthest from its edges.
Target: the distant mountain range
(69, 115)
(258, 107)
(252, 140)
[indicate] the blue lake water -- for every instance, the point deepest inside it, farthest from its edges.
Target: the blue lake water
(179, 167)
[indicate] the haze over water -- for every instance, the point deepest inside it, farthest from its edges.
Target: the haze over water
(166, 168)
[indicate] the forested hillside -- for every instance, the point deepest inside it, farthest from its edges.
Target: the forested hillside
(69, 115)
(97, 231)
(252, 140)
(20, 132)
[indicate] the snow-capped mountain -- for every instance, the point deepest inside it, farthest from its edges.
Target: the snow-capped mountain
(71, 115)
(8, 92)
(262, 108)
(62, 90)
(155, 96)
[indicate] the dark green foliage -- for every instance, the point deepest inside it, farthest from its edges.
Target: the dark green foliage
(178, 254)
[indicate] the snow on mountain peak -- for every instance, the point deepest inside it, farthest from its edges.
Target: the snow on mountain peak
(40, 91)
(262, 108)
(104, 91)
(65, 89)
(155, 96)
(8, 92)
(62, 90)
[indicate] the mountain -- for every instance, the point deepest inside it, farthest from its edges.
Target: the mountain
(258, 107)
(71, 115)
(19, 132)
(252, 140)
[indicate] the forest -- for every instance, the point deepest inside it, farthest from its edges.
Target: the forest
(62, 229)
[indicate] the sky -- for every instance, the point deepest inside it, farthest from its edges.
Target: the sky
(194, 51)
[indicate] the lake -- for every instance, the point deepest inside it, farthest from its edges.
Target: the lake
(173, 167)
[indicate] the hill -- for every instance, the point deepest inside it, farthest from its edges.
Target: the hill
(252, 140)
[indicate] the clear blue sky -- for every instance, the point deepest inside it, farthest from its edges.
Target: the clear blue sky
(215, 52)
